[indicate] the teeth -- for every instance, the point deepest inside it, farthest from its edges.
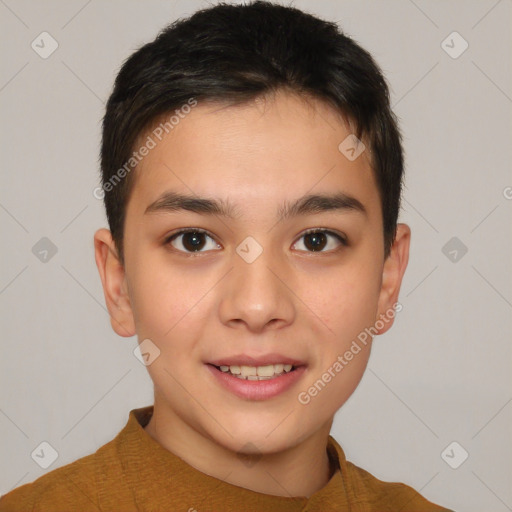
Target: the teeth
(248, 371)
(235, 370)
(266, 372)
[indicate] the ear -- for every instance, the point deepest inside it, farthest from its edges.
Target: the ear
(392, 274)
(113, 279)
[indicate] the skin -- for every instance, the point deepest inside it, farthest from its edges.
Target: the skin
(291, 300)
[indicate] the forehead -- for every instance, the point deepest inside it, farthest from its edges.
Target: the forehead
(257, 154)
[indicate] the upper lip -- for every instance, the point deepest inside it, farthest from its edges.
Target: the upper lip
(262, 360)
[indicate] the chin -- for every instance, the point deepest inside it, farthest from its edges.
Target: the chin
(261, 434)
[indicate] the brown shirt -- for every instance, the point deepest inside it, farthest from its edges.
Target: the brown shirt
(133, 472)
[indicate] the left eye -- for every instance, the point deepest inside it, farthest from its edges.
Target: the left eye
(191, 240)
(317, 239)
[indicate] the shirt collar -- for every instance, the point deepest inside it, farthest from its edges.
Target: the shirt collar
(157, 477)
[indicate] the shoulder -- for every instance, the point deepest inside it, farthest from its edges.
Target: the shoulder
(69, 487)
(79, 485)
(371, 494)
(385, 496)
(94, 482)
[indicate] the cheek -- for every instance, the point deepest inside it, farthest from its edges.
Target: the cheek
(342, 351)
(348, 303)
(345, 300)
(163, 300)
(329, 389)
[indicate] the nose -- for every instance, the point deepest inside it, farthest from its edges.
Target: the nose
(256, 296)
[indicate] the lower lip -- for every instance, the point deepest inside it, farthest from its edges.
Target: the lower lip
(257, 389)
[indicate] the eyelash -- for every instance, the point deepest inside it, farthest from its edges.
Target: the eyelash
(343, 241)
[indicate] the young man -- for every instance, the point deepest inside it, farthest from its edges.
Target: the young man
(251, 172)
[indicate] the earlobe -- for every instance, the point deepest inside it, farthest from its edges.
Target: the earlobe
(112, 274)
(393, 272)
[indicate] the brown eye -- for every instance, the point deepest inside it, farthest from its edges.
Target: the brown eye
(315, 241)
(190, 241)
(319, 239)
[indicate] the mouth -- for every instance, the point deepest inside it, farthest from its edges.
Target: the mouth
(265, 372)
(257, 379)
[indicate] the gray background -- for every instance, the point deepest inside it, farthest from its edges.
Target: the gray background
(443, 372)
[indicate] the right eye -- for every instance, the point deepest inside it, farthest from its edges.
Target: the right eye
(190, 240)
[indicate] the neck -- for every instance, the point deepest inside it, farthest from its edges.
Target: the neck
(298, 471)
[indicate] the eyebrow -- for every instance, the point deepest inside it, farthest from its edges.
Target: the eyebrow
(305, 205)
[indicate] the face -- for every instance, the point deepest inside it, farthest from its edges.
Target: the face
(257, 299)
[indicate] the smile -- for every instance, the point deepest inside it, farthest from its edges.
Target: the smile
(267, 372)
(256, 379)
